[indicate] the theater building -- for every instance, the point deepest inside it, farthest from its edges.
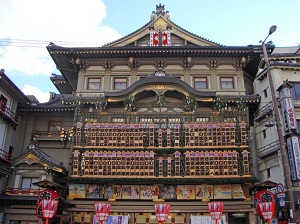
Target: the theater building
(161, 114)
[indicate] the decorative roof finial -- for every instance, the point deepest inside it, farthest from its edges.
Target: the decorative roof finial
(160, 10)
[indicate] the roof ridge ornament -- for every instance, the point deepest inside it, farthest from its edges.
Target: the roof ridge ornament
(160, 10)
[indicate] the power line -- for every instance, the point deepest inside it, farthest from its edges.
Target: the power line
(7, 42)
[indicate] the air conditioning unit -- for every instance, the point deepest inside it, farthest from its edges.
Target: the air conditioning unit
(274, 221)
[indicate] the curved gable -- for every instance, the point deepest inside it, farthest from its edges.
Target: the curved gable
(154, 82)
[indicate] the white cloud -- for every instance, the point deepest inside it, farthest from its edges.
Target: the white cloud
(40, 95)
(42, 22)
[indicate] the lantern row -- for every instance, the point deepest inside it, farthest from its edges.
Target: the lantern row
(145, 163)
(140, 135)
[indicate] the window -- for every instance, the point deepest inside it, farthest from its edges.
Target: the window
(202, 119)
(200, 83)
(268, 173)
(27, 182)
(264, 133)
(226, 83)
(3, 102)
(295, 90)
(118, 120)
(120, 83)
(265, 93)
(54, 126)
(94, 83)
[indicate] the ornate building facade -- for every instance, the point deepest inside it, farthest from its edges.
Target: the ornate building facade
(159, 115)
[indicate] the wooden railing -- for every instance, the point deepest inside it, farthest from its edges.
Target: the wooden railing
(5, 156)
(8, 115)
(22, 191)
(46, 134)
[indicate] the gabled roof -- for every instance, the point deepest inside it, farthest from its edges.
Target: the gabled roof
(55, 104)
(136, 45)
(61, 84)
(160, 20)
(12, 89)
(33, 155)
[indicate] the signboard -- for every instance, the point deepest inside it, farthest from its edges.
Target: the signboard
(294, 153)
(205, 219)
(113, 219)
(238, 215)
(288, 112)
(291, 159)
(279, 188)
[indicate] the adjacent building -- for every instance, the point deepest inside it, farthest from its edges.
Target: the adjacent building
(10, 97)
(284, 68)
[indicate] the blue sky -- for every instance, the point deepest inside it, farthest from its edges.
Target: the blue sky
(27, 27)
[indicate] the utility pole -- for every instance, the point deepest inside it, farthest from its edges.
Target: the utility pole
(284, 155)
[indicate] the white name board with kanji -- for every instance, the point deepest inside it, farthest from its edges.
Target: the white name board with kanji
(205, 219)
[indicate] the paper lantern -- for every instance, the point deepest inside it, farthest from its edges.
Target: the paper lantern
(49, 208)
(102, 211)
(215, 210)
(162, 212)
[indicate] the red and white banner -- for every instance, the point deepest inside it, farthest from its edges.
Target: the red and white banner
(154, 38)
(166, 38)
(157, 38)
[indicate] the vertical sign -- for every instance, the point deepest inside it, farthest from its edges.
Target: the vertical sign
(291, 158)
(295, 145)
(289, 118)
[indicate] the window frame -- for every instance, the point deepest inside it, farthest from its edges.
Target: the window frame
(295, 90)
(53, 122)
(116, 82)
(203, 78)
(89, 83)
(223, 80)
(265, 93)
(31, 180)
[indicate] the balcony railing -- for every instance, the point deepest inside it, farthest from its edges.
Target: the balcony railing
(5, 156)
(8, 115)
(46, 135)
(22, 191)
(263, 112)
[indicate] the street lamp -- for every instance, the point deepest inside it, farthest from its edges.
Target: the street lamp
(285, 159)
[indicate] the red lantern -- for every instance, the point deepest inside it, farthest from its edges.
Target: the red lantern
(162, 212)
(267, 210)
(215, 210)
(49, 208)
(46, 194)
(261, 197)
(102, 211)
